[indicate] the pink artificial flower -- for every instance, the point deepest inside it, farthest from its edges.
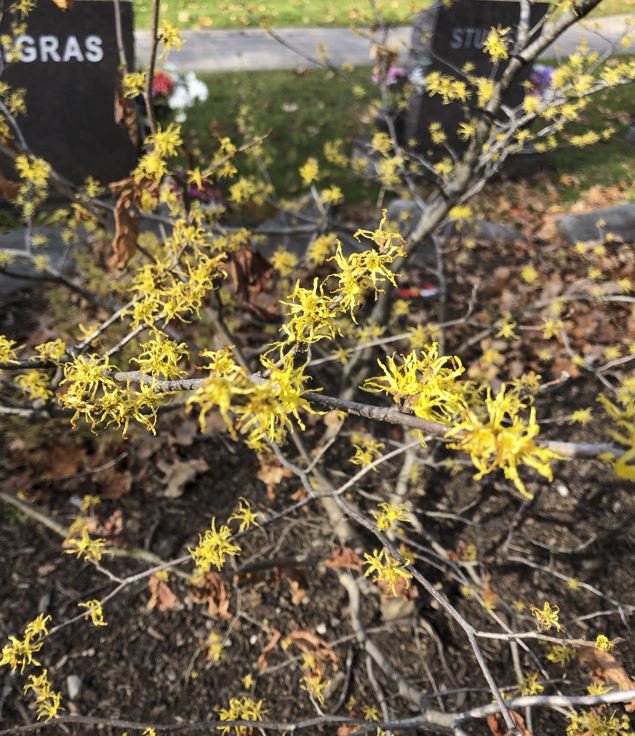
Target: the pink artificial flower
(162, 84)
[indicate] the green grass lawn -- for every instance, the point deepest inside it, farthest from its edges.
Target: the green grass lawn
(304, 111)
(203, 14)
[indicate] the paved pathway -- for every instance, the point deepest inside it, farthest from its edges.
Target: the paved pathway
(253, 49)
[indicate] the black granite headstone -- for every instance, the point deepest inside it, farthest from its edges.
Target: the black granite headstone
(68, 66)
(445, 39)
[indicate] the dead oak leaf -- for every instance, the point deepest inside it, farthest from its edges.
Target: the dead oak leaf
(178, 473)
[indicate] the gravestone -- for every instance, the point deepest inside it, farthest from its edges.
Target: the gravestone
(68, 65)
(444, 39)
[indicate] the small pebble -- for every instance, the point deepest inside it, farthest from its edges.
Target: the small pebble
(73, 685)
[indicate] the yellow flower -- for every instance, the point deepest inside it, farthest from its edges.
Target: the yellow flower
(390, 515)
(530, 685)
(502, 439)
(284, 261)
(244, 515)
(529, 274)
(241, 709)
(603, 643)
(96, 612)
(546, 617)
(309, 171)
(367, 450)
(47, 702)
(133, 84)
(213, 548)
(35, 384)
(427, 383)
(387, 570)
(581, 416)
(496, 45)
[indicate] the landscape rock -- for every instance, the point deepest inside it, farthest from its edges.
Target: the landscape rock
(619, 221)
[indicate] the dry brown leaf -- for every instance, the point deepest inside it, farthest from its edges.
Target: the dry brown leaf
(298, 592)
(497, 726)
(64, 5)
(114, 484)
(344, 557)
(271, 473)
(346, 730)
(607, 667)
(124, 242)
(161, 596)
(269, 647)
(8, 189)
(212, 590)
(312, 644)
(178, 473)
(126, 114)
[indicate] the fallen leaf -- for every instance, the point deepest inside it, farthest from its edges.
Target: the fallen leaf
(212, 590)
(161, 596)
(178, 473)
(268, 648)
(310, 643)
(498, 728)
(64, 5)
(344, 557)
(271, 473)
(607, 667)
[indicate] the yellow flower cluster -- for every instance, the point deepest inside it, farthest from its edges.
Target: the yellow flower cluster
(264, 408)
(34, 173)
(367, 450)
(215, 545)
(387, 571)
(47, 702)
(623, 414)
(19, 652)
(447, 87)
(500, 438)
(241, 709)
(390, 515)
(425, 384)
(96, 612)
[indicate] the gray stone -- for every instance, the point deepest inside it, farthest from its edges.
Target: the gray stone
(630, 134)
(618, 220)
(73, 685)
(55, 250)
(486, 231)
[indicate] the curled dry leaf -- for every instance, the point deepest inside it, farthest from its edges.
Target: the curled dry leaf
(269, 647)
(310, 643)
(607, 666)
(161, 596)
(124, 243)
(126, 114)
(212, 591)
(497, 726)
